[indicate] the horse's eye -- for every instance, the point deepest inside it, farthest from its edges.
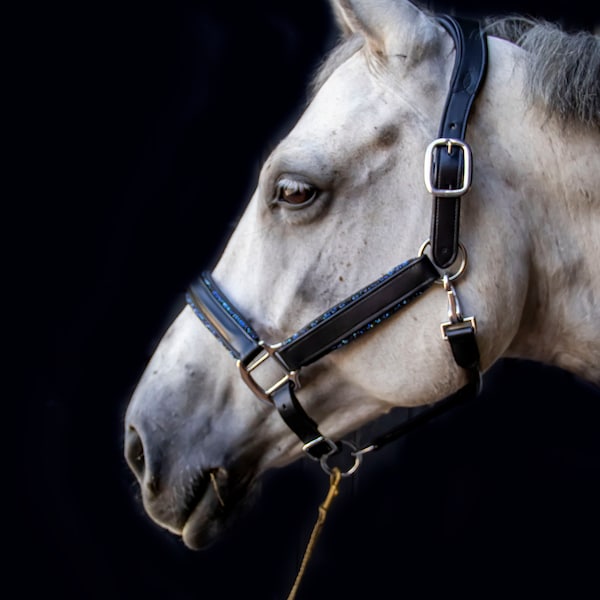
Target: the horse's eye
(294, 193)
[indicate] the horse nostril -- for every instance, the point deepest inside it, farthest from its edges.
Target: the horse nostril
(134, 453)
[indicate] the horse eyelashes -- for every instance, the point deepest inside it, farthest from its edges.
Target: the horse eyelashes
(295, 193)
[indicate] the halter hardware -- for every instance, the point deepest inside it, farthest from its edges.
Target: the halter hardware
(354, 453)
(334, 449)
(447, 176)
(464, 183)
(307, 448)
(456, 323)
(461, 266)
(246, 369)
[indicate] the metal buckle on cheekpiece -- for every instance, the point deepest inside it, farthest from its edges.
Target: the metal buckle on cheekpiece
(246, 369)
(467, 171)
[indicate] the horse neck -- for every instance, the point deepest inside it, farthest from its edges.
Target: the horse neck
(560, 323)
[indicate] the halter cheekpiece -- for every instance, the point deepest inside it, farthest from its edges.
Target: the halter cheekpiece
(447, 174)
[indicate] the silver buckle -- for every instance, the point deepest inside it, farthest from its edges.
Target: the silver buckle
(467, 168)
(265, 394)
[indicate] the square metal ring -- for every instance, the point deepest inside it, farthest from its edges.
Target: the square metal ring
(467, 173)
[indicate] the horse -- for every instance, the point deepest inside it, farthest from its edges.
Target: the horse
(340, 204)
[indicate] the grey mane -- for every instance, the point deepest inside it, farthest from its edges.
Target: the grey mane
(563, 68)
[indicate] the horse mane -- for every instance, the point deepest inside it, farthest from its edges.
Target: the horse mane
(563, 70)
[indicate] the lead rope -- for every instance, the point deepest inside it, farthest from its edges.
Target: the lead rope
(334, 482)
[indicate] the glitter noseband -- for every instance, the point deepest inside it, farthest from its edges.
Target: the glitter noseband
(447, 178)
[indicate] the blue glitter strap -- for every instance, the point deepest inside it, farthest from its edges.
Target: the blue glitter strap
(222, 318)
(336, 327)
(359, 313)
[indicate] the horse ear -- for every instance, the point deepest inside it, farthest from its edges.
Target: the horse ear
(390, 27)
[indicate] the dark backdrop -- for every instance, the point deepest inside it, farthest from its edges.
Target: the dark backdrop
(141, 129)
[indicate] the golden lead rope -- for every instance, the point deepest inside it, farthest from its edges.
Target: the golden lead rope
(334, 483)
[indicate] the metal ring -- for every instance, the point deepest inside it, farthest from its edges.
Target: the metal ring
(461, 267)
(352, 469)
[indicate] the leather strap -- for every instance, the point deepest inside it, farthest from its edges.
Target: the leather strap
(469, 69)
(222, 318)
(336, 327)
(300, 423)
(358, 313)
(317, 445)
(464, 347)
(463, 395)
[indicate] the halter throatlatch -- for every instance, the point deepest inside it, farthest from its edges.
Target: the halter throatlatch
(447, 172)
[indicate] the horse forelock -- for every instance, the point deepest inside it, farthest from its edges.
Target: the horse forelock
(563, 69)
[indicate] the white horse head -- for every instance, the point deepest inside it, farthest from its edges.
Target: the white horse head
(341, 201)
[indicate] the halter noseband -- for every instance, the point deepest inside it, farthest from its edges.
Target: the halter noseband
(447, 177)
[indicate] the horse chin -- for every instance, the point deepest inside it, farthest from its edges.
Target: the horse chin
(204, 524)
(215, 511)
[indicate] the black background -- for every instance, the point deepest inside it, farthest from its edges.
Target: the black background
(140, 131)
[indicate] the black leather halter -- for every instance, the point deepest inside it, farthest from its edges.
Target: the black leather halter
(448, 168)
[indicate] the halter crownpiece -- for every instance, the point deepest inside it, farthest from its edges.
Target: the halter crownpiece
(450, 155)
(447, 172)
